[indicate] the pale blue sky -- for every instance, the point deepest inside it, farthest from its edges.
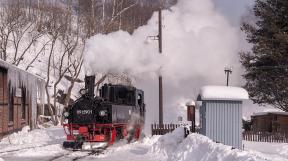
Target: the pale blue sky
(233, 9)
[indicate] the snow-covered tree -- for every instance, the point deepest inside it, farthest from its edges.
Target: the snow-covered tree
(267, 64)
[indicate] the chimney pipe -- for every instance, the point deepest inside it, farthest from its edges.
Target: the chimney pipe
(191, 115)
(90, 85)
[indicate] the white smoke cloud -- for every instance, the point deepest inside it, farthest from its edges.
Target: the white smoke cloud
(198, 43)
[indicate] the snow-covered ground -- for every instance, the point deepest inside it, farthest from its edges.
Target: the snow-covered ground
(45, 144)
(269, 150)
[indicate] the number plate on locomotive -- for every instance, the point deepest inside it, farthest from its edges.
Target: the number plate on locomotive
(84, 112)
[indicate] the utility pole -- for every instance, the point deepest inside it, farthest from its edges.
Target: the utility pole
(159, 37)
(160, 74)
(228, 71)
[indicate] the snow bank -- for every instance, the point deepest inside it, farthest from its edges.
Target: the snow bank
(271, 151)
(197, 147)
(151, 140)
(223, 93)
(24, 137)
(167, 144)
(35, 137)
(283, 150)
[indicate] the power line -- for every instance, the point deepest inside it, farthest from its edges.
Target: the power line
(270, 67)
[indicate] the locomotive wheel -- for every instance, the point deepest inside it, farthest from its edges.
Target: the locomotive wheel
(135, 133)
(72, 145)
(120, 133)
(131, 135)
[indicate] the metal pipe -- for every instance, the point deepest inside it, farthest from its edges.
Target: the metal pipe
(160, 76)
(160, 101)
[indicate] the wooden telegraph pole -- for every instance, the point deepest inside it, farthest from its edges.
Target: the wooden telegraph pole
(160, 74)
(159, 38)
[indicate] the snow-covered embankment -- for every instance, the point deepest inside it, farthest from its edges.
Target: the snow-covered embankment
(197, 147)
(170, 147)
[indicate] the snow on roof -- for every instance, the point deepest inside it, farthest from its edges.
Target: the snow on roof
(190, 103)
(223, 93)
(270, 113)
(12, 67)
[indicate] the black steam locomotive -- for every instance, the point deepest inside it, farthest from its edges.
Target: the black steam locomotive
(118, 113)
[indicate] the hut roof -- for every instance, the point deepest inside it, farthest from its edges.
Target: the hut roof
(270, 113)
(223, 93)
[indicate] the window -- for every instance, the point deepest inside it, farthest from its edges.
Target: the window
(23, 103)
(11, 105)
(139, 99)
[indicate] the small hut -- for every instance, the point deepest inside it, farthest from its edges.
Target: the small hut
(221, 114)
(20, 93)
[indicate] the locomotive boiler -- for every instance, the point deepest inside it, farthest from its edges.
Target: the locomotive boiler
(117, 113)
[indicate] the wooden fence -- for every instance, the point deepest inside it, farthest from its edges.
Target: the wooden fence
(164, 129)
(279, 137)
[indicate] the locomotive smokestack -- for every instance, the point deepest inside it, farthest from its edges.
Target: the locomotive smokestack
(90, 85)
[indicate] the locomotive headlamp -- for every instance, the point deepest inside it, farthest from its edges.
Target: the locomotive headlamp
(103, 112)
(66, 114)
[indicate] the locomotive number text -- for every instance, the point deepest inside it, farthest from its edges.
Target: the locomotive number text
(84, 112)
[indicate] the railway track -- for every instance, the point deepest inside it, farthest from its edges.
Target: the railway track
(94, 152)
(80, 156)
(68, 155)
(32, 147)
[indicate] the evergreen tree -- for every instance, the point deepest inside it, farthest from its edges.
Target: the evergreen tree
(267, 64)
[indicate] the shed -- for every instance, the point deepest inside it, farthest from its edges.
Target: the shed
(221, 114)
(270, 122)
(20, 93)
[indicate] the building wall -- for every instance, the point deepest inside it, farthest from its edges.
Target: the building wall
(282, 123)
(19, 120)
(262, 123)
(270, 123)
(3, 101)
(223, 122)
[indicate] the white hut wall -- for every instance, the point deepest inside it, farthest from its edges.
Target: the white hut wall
(222, 121)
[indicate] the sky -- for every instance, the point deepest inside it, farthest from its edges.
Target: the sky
(233, 9)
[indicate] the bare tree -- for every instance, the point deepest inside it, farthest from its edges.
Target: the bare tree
(8, 23)
(73, 77)
(55, 27)
(30, 64)
(18, 31)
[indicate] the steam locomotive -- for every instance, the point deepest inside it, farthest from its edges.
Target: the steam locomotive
(118, 113)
